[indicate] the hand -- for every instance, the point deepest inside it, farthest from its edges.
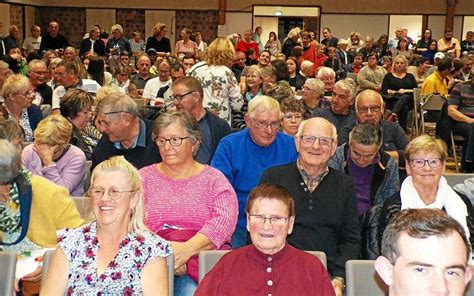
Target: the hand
(337, 287)
(181, 253)
(33, 277)
(45, 152)
(181, 270)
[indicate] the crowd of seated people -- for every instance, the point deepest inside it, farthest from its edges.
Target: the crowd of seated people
(178, 137)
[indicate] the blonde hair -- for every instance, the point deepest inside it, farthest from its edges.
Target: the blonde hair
(53, 130)
(157, 28)
(220, 52)
(14, 84)
(315, 84)
(105, 91)
(120, 164)
(426, 143)
(295, 32)
(263, 102)
(117, 27)
(400, 57)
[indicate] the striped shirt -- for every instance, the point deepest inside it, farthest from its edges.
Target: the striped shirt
(462, 96)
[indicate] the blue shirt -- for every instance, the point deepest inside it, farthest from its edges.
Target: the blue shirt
(243, 162)
(139, 141)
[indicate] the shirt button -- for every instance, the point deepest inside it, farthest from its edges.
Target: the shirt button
(302, 183)
(306, 189)
(269, 259)
(270, 294)
(270, 283)
(310, 201)
(310, 207)
(269, 269)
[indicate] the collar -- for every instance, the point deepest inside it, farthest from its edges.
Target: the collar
(139, 141)
(258, 255)
(307, 176)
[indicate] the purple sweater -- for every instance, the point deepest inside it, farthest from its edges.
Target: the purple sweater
(68, 171)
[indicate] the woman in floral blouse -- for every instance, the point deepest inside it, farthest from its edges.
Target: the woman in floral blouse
(115, 254)
(221, 89)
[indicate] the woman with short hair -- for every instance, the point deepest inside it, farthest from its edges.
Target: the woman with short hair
(191, 205)
(18, 94)
(158, 41)
(51, 156)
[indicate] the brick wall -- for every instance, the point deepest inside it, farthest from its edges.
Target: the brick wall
(72, 22)
(131, 20)
(205, 21)
(16, 18)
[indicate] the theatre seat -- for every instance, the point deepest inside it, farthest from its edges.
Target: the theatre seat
(7, 273)
(362, 279)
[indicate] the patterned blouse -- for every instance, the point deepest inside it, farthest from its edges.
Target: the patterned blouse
(122, 276)
(24, 122)
(221, 90)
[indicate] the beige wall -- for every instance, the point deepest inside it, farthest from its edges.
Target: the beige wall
(343, 24)
(105, 18)
(268, 24)
(4, 19)
(237, 22)
(168, 17)
(436, 24)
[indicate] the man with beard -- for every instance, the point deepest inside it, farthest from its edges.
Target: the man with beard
(449, 44)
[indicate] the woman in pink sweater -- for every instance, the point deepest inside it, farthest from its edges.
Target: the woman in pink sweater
(191, 205)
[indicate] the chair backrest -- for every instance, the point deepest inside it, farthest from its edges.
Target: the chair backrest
(87, 177)
(170, 264)
(7, 273)
(207, 260)
(362, 279)
(80, 204)
(455, 179)
(434, 103)
(321, 256)
(48, 255)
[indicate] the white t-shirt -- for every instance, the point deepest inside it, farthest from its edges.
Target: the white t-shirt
(88, 85)
(31, 44)
(151, 89)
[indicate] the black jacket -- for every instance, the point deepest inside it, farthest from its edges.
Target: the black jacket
(99, 47)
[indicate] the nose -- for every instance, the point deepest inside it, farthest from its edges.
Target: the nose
(438, 285)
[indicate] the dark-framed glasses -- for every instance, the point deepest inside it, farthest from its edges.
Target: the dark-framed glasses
(180, 97)
(432, 162)
(263, 125)
(174, 141)
(274, 220)
(323, 141)
(113, 193)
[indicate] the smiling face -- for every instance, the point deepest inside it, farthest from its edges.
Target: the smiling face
(425, 176)
(109, 211)
(264, 59)
(316, 155)
(435, 265)
(253, 80)
(291, 65)
(83, 117)
(38, 74)
(266, 237)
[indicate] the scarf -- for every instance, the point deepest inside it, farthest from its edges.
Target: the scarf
(446, 198)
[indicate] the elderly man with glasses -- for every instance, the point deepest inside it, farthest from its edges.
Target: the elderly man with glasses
(243, 156)
(124, 133)
(326, 210)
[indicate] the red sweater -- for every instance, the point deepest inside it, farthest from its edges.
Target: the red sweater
(243, 46)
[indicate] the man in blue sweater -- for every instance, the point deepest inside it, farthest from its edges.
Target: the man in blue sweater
(243, 156)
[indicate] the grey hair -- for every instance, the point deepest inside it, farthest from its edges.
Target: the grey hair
(190, 125)
(315, 84)
(118, 102)
(366, 134)
(323, 71)
(348, 84)
(10, 162)
(32, 63)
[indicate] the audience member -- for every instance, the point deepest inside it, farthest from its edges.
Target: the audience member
(121, 80)
(273, 45)
(12, 39)
(200, 43)
(253, 88)
(383, 46)
(393, 42)
(18, 94)
(340, 113)
(309, 47)
(369, 48)
(76, 106)
(312, 97)
(467, 45)
(52, 157)
(357, 64)
(420, 70)
(124, 133)
(137, 44)
(96, 71)
(436, 82)
(238, 67)
(292, 116)
(143, 75)
(240, 271)
(53, 39)
(307, 69)
(320, 57)
(424, 252)
(432, 51)
(329, 40)
(355, 43)
(33, 209)
(95, 257)
(397, 88)
(186, 46)
(424, 42)
(32, 43)
(291, 41)
(188, 62)
(247, 43)
(369, 107)
(37, 72)
(319, 223)
(425, 187)
(191, 205)
(158, 41)
(387, 63)
(467, 71)
(188, 96)
(296, 80)
(243, 156)
(372, 75)
(403, 50)
(269, 77)
(450, 45)
(67, 76)
(4, 73)
(155, 87)
(10, 130)
(257, 38)
(93, 44)
(343, 57)
(461, 113)
(221, 89)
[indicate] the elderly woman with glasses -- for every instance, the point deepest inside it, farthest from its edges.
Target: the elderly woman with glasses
(312, 96)
(270, 215)
(32, 208)
(18, 94)
(115, 254)
(191, 205)
(51, 156)
(425, 186)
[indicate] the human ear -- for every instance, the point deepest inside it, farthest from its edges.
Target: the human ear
(384, 269)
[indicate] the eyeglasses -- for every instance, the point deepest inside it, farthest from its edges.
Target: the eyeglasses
(113, 192)
(274, 220)
(292, 117)
(113, 112)
(30, 93)
(305, 88)
(174, 141)
(323, 141)
(372, 109)
(263, 125)
(356, 154)
(180, 97)
(432, 162)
